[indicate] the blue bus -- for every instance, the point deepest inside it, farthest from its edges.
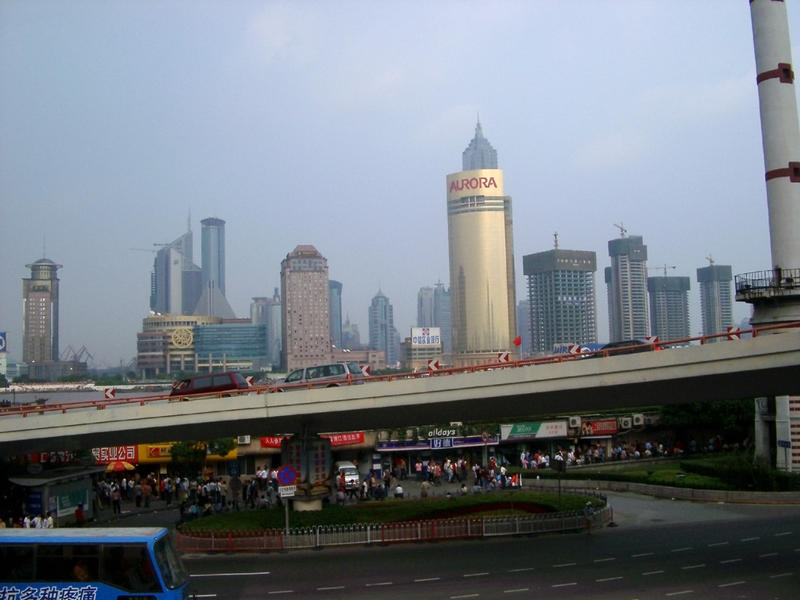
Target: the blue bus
(121, 563)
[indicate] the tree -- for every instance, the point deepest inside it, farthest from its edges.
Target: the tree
(192, 454)
(3, 381)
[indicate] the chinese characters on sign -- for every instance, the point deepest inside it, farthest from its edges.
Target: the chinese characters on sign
(110, 454)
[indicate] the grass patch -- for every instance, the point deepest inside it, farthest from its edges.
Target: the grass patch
(392, 511)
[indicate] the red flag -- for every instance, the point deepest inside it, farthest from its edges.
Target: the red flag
(518, 340)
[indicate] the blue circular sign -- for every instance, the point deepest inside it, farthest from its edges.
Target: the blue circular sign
(286, 475)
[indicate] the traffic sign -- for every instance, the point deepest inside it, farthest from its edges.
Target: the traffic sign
(784, 444)
(110, 393)
(365, 370)
(575, 349)
(287, 475)
(433, 365)
(249, 379)
(734, 333)
(287, 491)
(502, 357)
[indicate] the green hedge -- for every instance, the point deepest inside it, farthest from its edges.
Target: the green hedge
(742, 472)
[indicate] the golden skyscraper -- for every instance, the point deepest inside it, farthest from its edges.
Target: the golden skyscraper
(482, 291)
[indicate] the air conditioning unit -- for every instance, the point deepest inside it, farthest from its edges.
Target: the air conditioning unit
(652, 420)
(624, 422)
(243, 440)
(574, 422)
(638, 420)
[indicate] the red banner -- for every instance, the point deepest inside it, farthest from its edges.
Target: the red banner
(604, 427)
(345, 439)
(272, 442)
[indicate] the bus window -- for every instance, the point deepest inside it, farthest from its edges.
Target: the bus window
(16, 563)
(169, 564)
(129, 566)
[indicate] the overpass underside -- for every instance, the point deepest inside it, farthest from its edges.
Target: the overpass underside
(768, 365)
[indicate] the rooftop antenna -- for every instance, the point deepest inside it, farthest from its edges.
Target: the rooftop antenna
(622, 230)
(710, 259)
(44, 246)
(555, 240)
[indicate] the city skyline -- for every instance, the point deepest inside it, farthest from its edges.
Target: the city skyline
(104, 152)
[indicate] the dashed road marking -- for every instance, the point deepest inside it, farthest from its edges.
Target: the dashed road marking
(378, 584)
(750, 539)
(716, 544)
(520, 570)
(659, 572)
(244, 573)
(731, 584)
(516, 591)
(684, 549)
(560, 585)
(330, 588)
(730, 561)
(681, 593)
(426, 579)
(564, 565)
(697, 566)
(484, 574)
(602, 560)
(276, 592)
(464, 596)
(768, 555)
(604, 579)
(642, 554)
(781, 575)
(782, 533)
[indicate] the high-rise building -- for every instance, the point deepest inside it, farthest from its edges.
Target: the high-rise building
(305, 322)
(479, 223)
(267, 311)
(351, 336)
(524, 326)
(212, 251)
(382, 333)
(40, 312)
(669, 307)
(716, 304)
(561, 296)
(425, 307)
(335, 291)
(175, 282)
(626, 281)
(441, 316)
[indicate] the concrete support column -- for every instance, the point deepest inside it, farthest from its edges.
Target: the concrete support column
(783, 433)
(763, 429)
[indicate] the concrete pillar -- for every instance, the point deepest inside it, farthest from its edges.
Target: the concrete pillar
(763, 438)
(779, 128)
(783, 433)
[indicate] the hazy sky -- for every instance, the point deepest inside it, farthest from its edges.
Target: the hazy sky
(335, 123)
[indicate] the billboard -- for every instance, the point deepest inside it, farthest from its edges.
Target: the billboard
(426, 336)
(3, 341)
(527, 431)
(477, 182)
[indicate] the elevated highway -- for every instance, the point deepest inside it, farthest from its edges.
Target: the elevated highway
(766, 365)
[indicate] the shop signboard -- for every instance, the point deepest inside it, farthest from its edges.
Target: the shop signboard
(535, 430)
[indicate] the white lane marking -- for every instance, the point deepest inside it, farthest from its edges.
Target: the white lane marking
(564, 565)
(652, 573)
(484, 574)
(229, 574)
(698, 566)
(330, 588)
(516, 591)
(681, 593)
(604, 579)
(767, 555)
(730, 561)
(781, 575)
(681, 549)
(750, 539)
(715, 544)
(276, 592)
(560, 585)
(783, 533)
(601, 560)
(642, 554)
(464, 596)
(520, 570)
(731, 584)
(426, 579)
(205, 595)
(378, 584)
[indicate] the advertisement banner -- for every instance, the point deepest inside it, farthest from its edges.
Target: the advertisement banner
(344, 439)
(537, 430)
(426, 336)
(602, 427)
(272, 441)
(109, 454)
(476, 182)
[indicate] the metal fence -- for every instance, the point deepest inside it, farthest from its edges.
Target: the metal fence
(388, 533)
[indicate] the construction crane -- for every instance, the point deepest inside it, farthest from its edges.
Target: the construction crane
(710, 260)
(622, 230)
(662, 267)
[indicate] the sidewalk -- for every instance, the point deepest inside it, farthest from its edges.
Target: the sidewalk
(158, 514)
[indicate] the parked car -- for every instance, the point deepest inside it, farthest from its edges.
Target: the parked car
(210, 383)
(330, 375)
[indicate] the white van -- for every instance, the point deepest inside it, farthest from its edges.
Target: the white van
(352, 480)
